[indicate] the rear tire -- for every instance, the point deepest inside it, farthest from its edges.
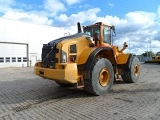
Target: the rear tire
(131, 75)
(101, 77)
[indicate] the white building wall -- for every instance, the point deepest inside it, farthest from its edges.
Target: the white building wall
(21, 32)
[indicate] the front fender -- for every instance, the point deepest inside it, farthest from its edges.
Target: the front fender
(105, 52)
(124, 61)
(84, 55)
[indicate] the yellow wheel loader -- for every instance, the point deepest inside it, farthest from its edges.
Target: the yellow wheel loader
(155, 59)
(88, 60)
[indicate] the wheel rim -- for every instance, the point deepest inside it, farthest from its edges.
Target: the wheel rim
(104, 77)
(136, 70)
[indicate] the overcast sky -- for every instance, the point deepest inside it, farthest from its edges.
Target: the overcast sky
(137, 21)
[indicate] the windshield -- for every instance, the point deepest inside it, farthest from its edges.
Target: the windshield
(93, 31)
(158, 54)
(88, 31)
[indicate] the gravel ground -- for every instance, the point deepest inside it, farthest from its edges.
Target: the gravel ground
(24, 96)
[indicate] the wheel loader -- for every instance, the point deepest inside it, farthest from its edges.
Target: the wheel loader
(88, 60)
(155, 59)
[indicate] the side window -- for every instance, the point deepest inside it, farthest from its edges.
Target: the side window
(107, 35)
(96, 33)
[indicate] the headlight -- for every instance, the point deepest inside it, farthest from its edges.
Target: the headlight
(63, 57)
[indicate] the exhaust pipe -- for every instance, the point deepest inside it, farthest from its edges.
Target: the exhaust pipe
(79, 27)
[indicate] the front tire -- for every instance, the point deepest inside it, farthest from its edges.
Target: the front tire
(101, 77)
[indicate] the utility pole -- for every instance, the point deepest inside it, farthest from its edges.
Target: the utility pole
(129, 47)
(147, 52)
(150, 47)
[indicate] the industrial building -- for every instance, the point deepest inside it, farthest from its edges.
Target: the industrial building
(21, 42)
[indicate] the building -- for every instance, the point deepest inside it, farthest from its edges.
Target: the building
(21, 43)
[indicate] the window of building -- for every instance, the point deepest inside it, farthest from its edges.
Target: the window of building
(24, 59)
(1, 59)
(13, 59)
(19, 59)
(7, 59)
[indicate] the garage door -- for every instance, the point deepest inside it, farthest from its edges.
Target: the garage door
(13, 55)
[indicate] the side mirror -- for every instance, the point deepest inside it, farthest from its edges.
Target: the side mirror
(113, 28)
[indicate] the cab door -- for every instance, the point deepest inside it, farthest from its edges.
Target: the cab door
(107, 34)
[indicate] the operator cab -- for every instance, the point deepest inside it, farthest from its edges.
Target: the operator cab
(158, 54)
(101, 33)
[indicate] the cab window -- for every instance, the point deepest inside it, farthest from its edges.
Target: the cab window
(93, 31)
(96, 33)
(107, 34)
(88, 31)
(158, 54)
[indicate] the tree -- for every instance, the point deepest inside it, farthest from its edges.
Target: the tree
(148, 53)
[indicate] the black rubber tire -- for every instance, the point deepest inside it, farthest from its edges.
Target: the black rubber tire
(92, 85)
(129, 74)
